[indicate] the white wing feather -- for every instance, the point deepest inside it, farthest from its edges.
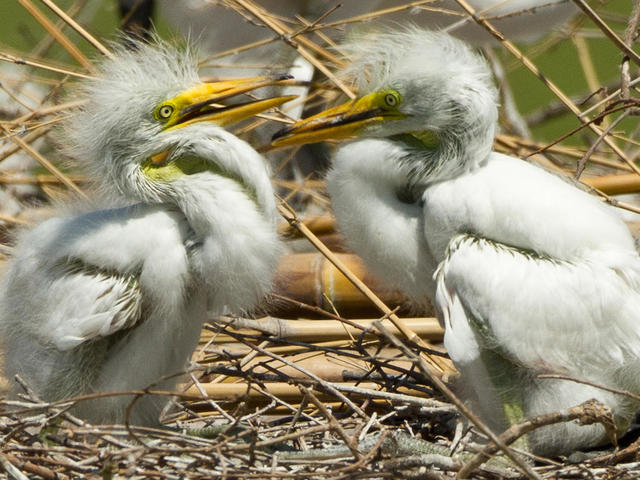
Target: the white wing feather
(66, 299)
(545, 314)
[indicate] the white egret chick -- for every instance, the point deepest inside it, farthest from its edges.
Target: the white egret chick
(530, 274)
(113, 300)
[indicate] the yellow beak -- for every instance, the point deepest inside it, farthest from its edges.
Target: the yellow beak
(206, 102)
(344, 121)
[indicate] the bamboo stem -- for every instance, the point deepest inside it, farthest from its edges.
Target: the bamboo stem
(327, 330)
(614, 184)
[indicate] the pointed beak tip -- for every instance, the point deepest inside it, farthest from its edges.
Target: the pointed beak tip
(279, 134)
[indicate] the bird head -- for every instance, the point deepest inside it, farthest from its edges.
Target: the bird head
(145, 108)
(425, 88)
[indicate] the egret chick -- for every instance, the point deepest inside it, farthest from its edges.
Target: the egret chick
(529, 274)
(113, 300)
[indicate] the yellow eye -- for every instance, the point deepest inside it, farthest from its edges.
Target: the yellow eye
(391, 99)
(165, 111)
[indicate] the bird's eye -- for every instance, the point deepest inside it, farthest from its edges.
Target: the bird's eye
(165, 111)
(391, 100)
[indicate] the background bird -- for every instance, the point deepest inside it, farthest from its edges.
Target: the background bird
(114, 299)
(530, 274)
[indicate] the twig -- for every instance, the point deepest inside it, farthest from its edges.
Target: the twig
(21, 61)
(552, 86)
(607, 31)
(583, 161)
(45, 163)
(289, 214)
(440, 385)
(283, 32)
(57, 34)
(587, 413)
(77, 27)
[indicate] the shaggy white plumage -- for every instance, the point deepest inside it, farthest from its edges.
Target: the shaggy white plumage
(114, 300)
(530, 274)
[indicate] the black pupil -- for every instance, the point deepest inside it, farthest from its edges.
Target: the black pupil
(391, 100)
(166, 111)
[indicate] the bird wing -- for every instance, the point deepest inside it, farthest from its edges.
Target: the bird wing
(97, 303)
(544, 313)
(514, 203)
(82, 278)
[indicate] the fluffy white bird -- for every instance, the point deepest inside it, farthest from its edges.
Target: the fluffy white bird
(530, 274)
(114, 299)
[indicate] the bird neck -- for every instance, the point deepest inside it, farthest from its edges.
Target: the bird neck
(232, 233)
(438, 156)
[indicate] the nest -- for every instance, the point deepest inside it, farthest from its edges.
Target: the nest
(339, 377)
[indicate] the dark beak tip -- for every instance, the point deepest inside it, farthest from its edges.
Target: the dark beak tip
(280, 133)
(284, 76)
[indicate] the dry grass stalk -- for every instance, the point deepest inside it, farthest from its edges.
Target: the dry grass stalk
(55, 32)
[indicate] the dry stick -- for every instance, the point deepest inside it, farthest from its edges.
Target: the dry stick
(607, 31)
(322, 330)
(609, 98)
(284, 33)
(12, 219)
(43, 112)
(335, 425)
(21, 61)
(77, 27)
(552, 86)
(289, 214)
(440, 385)
(326, 385)
(626, 393)
(243, 361)
(308, 25)
(629, 34)
(588, 68)
(39, 470)
(60, 37)
(516, 144)
(587, 413)
(45, 163)
(371, 15)
(11, 470)
(583, 161)
(29, 138)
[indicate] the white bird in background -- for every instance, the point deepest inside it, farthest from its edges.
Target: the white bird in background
(532, 275)
(517, 20)
(114, 299)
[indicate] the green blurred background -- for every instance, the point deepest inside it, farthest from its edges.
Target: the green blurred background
(558, 60)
